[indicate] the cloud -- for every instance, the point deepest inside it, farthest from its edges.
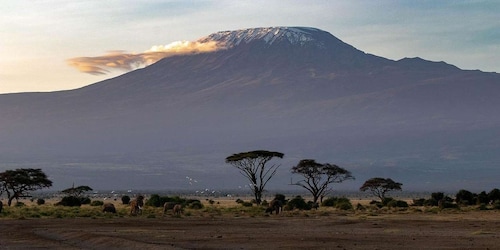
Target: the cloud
(121, 60)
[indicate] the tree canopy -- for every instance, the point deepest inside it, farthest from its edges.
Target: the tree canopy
(318, 177)
(18, 183)
(76, 191)
(379, 186)
(252, 165)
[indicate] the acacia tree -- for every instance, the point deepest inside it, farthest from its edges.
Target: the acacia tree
(318, 177)
(76, 191)
(252, 165)
(17, 183)
(380, 186)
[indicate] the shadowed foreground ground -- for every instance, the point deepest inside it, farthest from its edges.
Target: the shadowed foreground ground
(473, 230)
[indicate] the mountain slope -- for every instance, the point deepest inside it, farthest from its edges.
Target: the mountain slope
(297, 90)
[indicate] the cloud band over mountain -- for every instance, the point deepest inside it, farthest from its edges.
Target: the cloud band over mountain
(121, 60)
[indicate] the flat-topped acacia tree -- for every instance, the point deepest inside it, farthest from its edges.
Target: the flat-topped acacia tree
(318, 177)
(252, 165)
(380, 186)
(18, 183)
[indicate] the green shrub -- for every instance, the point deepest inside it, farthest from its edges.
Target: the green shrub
(330, 202)
(157, 201)
(40, 201)
(418, 202)
(247, 204)
(397, 203)
(70, 201)
(298, 203)
(85, 200)
(344, 205)
(482, 206)
(465, 197)
(377, 203)
(494, 195)
(239, 201)
(336, 202)
(194, 204)
(96, 203)
(125, 200)
(153, 201)
(20, 204)
(360, 207)
(387, 200)
(496, 204)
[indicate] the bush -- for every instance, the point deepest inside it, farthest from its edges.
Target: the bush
(339, 203)
(85, 200)
(157, 201)
(194, 204)
(247, 204)
(482, 198)
(70, 201)
(465, 197)
(344, 205)
(298, 203)
(437, 197)
(330, 202)
(239, 201)
(496, 204)
(96, 203)
(153, 201)
(360, 207)
(418, 202)
(387, 200)
(397, 203)
(376, 203)
(494, 195)
(40, 201)
(20, 204)
(125, 200)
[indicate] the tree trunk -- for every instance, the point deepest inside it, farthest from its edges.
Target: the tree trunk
(10, 200)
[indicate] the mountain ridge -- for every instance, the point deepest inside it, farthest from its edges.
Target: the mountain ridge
(184, 114)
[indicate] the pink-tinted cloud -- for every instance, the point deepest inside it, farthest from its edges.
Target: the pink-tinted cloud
(121, 60)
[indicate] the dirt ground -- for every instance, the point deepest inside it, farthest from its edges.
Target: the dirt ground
(471, 230)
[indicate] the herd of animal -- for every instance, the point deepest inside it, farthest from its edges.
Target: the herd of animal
(137, 204)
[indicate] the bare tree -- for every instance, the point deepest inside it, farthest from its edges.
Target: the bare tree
(318, 177)
(252, 165)
(380, 186)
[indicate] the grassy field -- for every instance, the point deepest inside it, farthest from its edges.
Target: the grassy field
(225, 224)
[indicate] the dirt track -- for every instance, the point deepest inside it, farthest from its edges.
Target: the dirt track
(474, 230)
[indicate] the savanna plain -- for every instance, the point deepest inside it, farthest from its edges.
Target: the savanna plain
(225, 224)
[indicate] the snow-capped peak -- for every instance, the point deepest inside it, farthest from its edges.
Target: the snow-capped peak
(294, 35)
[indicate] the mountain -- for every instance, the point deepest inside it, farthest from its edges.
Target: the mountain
(297, 90)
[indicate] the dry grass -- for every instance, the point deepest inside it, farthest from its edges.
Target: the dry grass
(226, 207)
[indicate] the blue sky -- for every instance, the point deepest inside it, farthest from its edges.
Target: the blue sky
(37, 38)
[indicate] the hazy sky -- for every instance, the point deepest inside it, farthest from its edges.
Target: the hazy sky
(40, 39)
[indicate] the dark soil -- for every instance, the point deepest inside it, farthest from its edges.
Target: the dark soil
(474, 230)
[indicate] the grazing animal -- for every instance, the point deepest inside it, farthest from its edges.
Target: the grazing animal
(109, 208)
(315, 205)
(275, 205)
(177, 209)
(136, 205)
(167, 206)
